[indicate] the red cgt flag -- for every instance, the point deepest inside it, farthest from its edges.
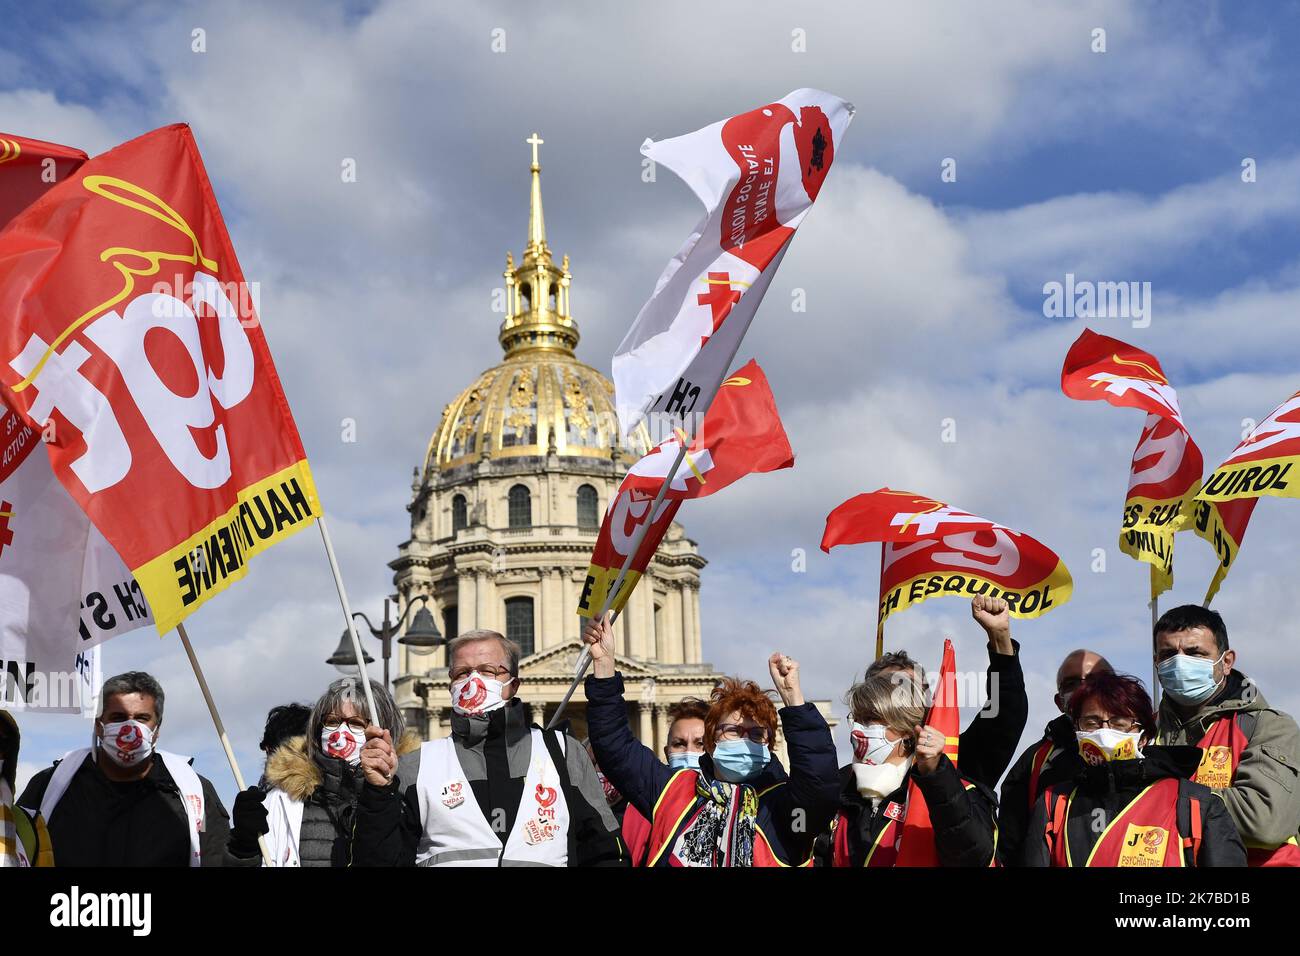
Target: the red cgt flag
(1166, 470)
(741, 433)
(916, 841)
(931, 548)
(30, 168)
(129, 329)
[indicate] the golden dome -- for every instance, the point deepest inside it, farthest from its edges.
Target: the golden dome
(541, 399)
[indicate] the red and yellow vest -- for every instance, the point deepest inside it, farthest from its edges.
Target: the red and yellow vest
(672, 808)
(884, 849)
(1222, 746)
(1144, 834)
(1040, 758)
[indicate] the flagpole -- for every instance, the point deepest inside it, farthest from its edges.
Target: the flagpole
(1155, 616)
(357, 650)
(880, 619)
(584, 660)
(221, 728)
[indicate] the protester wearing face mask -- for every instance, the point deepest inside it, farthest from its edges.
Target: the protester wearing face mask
(497, 792)
(123, 801)
(738, 807)
(24, 839)
(1053, 759)
(1132, 805)
(892, 747)
(1250, 750)
(308, 801)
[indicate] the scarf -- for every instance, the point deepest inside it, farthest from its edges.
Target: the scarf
(722, 833)
(9, 847)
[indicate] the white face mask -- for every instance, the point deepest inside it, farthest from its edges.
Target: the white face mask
(340, 740)
(877, 781)
(128, 743)
(475, 694)
(870, 745)
(1106, 744)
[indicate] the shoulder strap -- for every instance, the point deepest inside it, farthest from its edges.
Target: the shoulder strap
(1189, 824)
(26, 833)
(59, 781)
(193, 804)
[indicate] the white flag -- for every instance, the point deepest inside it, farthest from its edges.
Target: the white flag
(63, 589)
(757, 174)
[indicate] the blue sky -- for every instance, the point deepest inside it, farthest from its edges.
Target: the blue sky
(924, 297)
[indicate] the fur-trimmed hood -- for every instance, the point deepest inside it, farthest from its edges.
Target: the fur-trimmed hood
(292, 769)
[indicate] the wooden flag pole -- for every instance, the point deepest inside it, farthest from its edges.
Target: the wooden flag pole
(584, 661)
(221, 728)
(351, 624)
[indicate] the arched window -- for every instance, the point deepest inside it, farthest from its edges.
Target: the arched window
(588, 513)
(451, 622)
(553, 297)
(521, 507)
(519, 623)
(526, 297)
(459, 514)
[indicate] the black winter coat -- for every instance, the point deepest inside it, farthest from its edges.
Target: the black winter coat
(1102, 792)
(1017, 803)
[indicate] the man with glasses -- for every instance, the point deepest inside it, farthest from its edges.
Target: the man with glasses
(1051, 760)
(1250, 750)
(497, 792)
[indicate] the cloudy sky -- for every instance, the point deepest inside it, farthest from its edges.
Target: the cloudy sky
(924, 297)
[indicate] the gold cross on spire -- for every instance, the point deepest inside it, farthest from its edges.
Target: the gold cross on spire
(534, 141)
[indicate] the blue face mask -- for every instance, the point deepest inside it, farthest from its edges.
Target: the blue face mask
(737, 761)
(1188, 680)
(685, 761)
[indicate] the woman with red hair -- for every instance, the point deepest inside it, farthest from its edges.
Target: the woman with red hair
(1133, 804)
(738, 807)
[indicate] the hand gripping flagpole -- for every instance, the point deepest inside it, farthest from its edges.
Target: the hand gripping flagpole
(584, 661)
(347, 615)
(221, 728)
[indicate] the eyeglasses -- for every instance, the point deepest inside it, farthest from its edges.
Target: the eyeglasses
(358, 724)
(732, 732)
(483, 670)
(1123, 724)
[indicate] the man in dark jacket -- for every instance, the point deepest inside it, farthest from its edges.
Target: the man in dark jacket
(124, 803)
(1053, 759)
(1251, 750)
(487, 795)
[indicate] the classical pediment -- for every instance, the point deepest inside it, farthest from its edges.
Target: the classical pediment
(562, 660)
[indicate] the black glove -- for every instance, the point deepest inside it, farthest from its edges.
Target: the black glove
(249, 822)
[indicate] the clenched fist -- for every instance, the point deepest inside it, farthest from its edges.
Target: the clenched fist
(378, 759)
(785, 675)
(993, 615)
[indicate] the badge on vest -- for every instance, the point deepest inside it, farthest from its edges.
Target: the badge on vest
(894, 811)
(1216, 767)
(543, 826)
(453, 794)
(195, 804)
(1143, 846)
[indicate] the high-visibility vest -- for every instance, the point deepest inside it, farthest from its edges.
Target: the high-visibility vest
(1144, 834)
(884, 848)
(455, 831)
(1044, 753)
(33, 840)
(678, 801)
(1222, 746)
(182, 774)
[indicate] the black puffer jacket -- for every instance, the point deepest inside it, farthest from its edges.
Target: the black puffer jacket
(1102, 792)
(962, 813)
(1017, 800)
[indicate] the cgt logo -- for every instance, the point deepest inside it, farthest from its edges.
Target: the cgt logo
(129, 739)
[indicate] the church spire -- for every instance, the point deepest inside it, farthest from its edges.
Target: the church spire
(537, 291)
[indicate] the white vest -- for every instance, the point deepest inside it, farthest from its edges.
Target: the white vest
(457, 834)
(187, 781)
(284, 817)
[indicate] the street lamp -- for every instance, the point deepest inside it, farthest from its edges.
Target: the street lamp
(421, 638)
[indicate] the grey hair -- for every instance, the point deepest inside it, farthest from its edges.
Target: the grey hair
(348, 690)
(134, 682)
(897, 702)
(896, 660)
(512, 649)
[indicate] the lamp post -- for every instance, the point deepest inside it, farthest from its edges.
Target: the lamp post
(421, 637)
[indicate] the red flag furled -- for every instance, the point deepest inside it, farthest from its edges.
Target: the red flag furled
(932, 549)
(741, 434)
(129, 333)
(28, 168)
(1165, 473)
(916, 841)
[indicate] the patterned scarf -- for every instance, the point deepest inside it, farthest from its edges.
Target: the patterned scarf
(8, 827)
(722, 833)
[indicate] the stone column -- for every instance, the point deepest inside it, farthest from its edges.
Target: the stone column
(647, 727)
(481, 599)
(697, 631)
(661, 722)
